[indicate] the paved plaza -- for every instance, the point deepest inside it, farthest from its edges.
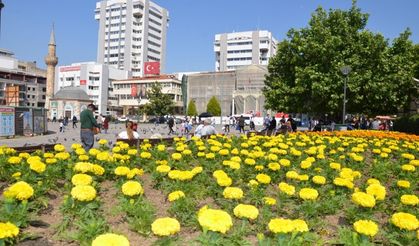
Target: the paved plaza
(70, 135)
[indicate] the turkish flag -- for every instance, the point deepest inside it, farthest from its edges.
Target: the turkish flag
(151, 68)
(133, 90)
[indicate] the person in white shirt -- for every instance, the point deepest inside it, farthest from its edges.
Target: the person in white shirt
(206, 129)
(129, 133)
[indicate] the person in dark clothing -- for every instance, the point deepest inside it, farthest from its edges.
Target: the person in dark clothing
(74, 121)
(241, 124)
(87, 122)
(252, 125)
(171, 123)
(293, 124)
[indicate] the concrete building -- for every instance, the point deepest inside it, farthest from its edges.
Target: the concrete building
(95, 80)
(21, 83)
(131, 32)
(238, 91)
(132, 93)
(233, 50)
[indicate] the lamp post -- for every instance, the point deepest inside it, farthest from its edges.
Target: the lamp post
(345, 71)
(1, 7)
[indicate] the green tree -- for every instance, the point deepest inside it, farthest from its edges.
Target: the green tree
(305, 76)
(213, 107)
(159, 103)
(191, 109)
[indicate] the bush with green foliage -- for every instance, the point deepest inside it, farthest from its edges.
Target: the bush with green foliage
(409, 124)
(191, 109)
(213, 107)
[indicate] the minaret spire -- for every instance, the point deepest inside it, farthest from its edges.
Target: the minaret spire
(51, 60)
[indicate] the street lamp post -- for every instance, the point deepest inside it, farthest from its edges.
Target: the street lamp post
(345, 71)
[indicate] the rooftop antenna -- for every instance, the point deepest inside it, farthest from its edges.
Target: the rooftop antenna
(1, 7)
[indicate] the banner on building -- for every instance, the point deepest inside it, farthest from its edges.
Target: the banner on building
(27, 123)
(151, 68)
(12, 95)
(70, 69)
(82, 82)
(143, 91)
(7, 119)
(134, 90)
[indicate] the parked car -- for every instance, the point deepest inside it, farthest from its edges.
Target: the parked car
(122, 118)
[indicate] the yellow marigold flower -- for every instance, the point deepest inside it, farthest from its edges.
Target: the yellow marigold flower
(286, 188)
(132, 152)
(81, 179)
(308, 194)
(104, 156)
(236, 159)
(161, 147)
(376, 151)
(409, 200)
(76, 146)
(414, 162)
(83, 157)
(110, 239)
(408, 167)
(253, 183)
(363, 199)
(121, 171)
(103, 142)
(343, 182)
(234, 165)
(366, 227)
(14, 160)
(219, 174)
(97, 169)
(224, 181)
(403, 183)
(200, 154)
(173, 196)
(214, 220)
(377, 190)
(8, 230)
(132, 188)
(116, 149)
(272, 157)
(373, 181)
(197, 170)
(187, 152)
(17, 175)
(383, 155)
(165, 226)
(24, 155)
(263, 178)
(274, 166)
(259, 167)
(48, 155)
(37, 166)
(93, 152)
(303, 177)
(62, 156)
(84, 193)
(51, 160)
(280, 225)
(285, 162)
(305, 164)
(246, 211)
(233, 193)
(59, 148)
(405, 221)
(335, 166)
(249, 161)
(269, 201)
(210, 156)
(19, 190)
(292, 175)
(408, 156)
(319, 180)
(146, 155)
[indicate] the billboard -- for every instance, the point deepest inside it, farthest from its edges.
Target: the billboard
(7, 122)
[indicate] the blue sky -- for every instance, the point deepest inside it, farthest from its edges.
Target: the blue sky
(26, 25)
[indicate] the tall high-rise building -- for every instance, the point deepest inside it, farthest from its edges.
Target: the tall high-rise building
(131, 32)
(237, 49)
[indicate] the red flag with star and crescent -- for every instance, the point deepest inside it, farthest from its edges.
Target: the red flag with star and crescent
(151, 68)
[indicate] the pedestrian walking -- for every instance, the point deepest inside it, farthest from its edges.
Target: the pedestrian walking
(171, 123)
(87, 123)
(241, 124)
(106, 125)
(74, 121)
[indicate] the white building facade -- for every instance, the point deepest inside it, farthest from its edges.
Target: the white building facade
(133, 93)
(233, 50)
(95, 79)
(131, 32)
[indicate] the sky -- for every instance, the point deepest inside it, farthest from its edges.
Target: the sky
(26, 25)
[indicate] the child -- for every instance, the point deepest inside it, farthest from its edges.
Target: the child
(61, 126)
